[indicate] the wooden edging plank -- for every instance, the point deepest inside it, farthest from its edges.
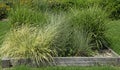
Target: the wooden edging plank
(66, 61)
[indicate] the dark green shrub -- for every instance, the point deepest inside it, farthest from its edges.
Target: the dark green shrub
(66, 5)
(3, 10)
(61, 5)
(115, 10)
(112, 7)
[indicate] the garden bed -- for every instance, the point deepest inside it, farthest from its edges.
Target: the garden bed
(72, 33)
(67, 61)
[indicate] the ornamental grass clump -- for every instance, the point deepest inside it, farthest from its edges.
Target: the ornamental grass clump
(71, 40)
(82, 33)
(92, 21)
(24, 15)
(30, 42)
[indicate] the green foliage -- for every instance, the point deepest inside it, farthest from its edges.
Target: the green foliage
(92, 21)
(69, 41)
(4, 28)
(0, 65)
(3, 10)
(61, 5)
(24, 15)
(62, 41)
(81, 32)
(81, 43)
(115, 10)
(66, 5)
(21, 68)
(39, 5)
(75, 33)
(112, 7)
(81, 68)
(68, 68)
(72, 42)
(113, 35)
(29, 42)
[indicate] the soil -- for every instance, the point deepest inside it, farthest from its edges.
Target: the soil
(106, 53)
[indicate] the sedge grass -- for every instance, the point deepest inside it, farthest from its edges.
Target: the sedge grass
(29, 42)
(24, 15)
(92, 21)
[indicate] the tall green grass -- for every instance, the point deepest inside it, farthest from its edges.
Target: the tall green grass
(92, 21)
(73, 35)
(29, 42)
(24, 15)
(113, 34)
(4, 28)
(71, 42)
(112, 7)
(32, 42)
(82, 32)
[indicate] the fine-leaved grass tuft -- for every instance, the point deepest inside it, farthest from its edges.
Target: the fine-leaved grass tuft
(29, 42)
(92, 23)
(24, 15)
